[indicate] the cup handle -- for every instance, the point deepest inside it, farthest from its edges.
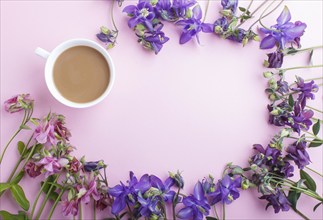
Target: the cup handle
(42, 53)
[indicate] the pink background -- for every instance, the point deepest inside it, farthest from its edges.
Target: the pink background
(191, 108)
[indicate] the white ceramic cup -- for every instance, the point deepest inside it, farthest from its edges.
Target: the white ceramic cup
(49, 67)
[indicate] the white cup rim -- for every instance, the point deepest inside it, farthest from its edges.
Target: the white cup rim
(56, 52)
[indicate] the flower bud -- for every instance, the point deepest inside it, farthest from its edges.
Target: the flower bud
(218, 29)
(179, 181)
(245, 184)
(253, 167)
(268, 74)
(274, 112)
(272, 84)
(227, 13)
(273, 97)
(245, 41)
(105, 30)
(237, 171)
(256, 38)
(284, 133)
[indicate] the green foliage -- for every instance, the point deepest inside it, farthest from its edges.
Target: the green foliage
(309, 182)
(19, 195)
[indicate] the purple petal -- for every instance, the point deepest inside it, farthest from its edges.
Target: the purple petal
(296, 31)
(197, 12)
(226, 181)
(118, 205)
(198, 191)
(207, 28)
(116, 191)
(156, 182)
(185, 213)
(133, 22)
(268, 42)
(185, 37)
(129, 9)
(284, 17)
(169, 182)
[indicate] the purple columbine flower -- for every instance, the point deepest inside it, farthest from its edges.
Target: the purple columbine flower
(230, 5)
(297, 152)
(227, 190)
(192, 26)
(178, 179)
(268, 156)
(154, 40)
(182, 6)
(164, 10)
(306, 90)
(283, 32)
(275, 59)
(18, 103)
(282, 116)
(278, 200)
(70, 207)
(196, 205)
(164, 188)
(301, 119)
(32, 169)
(93, 165)
(238, 35)
(143, 13)
(52, 165)
(149, 206)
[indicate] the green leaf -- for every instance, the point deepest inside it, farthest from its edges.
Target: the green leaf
(316, 206)
(310, 57)
(18, 194)
(242, 9)
(53, 196)
(17, 179)
(293, 195)
(4, 186)
(316, 127)
(25, 127)
(309, 182)
(211, 218)
(8, 216)
(315, 143)
(291, 100)
(21, 147)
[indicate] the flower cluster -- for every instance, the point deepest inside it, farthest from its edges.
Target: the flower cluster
(18, 103)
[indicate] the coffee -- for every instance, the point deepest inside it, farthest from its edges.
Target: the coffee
(81, 74)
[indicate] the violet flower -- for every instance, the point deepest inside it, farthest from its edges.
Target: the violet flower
(192, 26)
(268, 156)
(275, 59)
(283, 32)
(178, 179)
(181, 7)
(70, 207)
(154, 40)
(196, 205)
(282, 116)
(93, 165)
(32, 169)
(226, 191)
(91, 191)
(52, 165)
(18, 103)
(164, 10)
(143, 13)
(305, 90)
(301, 119)
(297, 152)
(230, 5)
(278, 200)
(164, 188)
(149, 206)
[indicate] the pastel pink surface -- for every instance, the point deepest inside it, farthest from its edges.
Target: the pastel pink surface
(191, 108)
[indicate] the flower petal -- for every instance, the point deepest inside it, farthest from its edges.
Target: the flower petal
(268, 42)
(284, 17)
(197, 12)
(185, 37)
(185, 213)
(207, 28)
(198, 191)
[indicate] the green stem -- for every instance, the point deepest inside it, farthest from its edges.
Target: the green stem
(316, 142)
(46, 198)
(263, 16)
(37, 198)
(300, 67)
(80, 211)
(6, 147)
(300, 214)
(260, 6)
(55, 204)
(94, 209)
(112, 16)
(215, 212)
(206, 9)
(314, 171)
(315, 109)
(175, 201)
(314, 136)
(305, 49)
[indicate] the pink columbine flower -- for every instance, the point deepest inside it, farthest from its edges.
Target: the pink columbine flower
(18, 103)
(52, 165)
(70, 207)
(32, 169)
(44, 133)
(90, 191)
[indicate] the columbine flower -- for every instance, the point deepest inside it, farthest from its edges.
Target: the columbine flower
(32, 169)
(238, 35)
(227, 190)
(305, 90)
(70, 207)
(196, 205)
(164, 10)
(268, 156)
(93, 165)
(149, 206)
(103, 203)
(18, 103)
(143, 13)
(91, 191)
(230, 5)
(301, 119)
(163, 188)
(52, 165)
(192, 26)
(181, 7)
(74, 165)
(283, 32)
(154, 40)
(297, 152)
(107, 36)
(279, 114)
(278, 200)
(275, 59)
(178, 179)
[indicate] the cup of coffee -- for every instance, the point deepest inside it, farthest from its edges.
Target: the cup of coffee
(79, 73)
